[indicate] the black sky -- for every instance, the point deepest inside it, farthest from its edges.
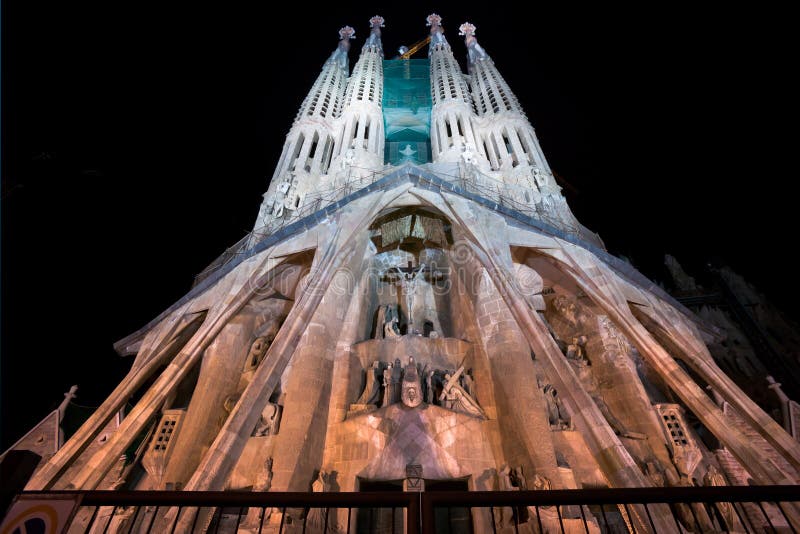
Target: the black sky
(138, 139)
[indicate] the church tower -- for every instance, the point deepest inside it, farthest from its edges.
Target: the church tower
(309, 145)
(417, 301)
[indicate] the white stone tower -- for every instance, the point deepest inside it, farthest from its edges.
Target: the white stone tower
(429, 304)
(359, 145)
(309, 144)
(452, 116)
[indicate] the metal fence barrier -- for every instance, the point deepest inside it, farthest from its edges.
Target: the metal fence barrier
(746, 509)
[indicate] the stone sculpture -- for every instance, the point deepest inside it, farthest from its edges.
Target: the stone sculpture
(504, 515)
(576, 351)
(455, 398)
(411, 393)
(468, 154)
(318, 517)
(567, 308)
(372, 387)
(388, 324)
(541, 483)
(714, 478)
(691, 516)
(257, 352)
(387, 385)
(263, 482)
(468, 383)
(556, 413)
(429, 393)
(268, 421)
(655, 474)
(518, 478)
(397, 377)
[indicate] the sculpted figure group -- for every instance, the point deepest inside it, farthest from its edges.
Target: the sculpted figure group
(414, 384)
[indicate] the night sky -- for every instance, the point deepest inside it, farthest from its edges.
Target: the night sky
(138, 139)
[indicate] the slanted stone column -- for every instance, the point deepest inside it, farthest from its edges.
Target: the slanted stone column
(673, 330)
(598, 283)
(520, 405)
(155, 353)
(216, 392)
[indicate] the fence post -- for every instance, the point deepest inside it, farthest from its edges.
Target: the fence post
(427, 512)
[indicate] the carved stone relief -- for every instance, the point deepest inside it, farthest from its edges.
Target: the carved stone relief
(416, 384)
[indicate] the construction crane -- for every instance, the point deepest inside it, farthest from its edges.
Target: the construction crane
(406, 53)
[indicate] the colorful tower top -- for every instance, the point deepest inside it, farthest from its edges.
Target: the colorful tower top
(339, 55)
(437, 32)
(374, 39)
(475, 52)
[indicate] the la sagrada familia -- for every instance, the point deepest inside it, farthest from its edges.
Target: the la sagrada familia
(416, 298)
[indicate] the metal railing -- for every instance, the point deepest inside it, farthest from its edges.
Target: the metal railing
(686, 509)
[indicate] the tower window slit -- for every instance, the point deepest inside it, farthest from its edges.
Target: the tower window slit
(297, 148)
(313, 147)
(355, 134)
(328, 154)
(507, 142)
(496, 151)
(523, 140)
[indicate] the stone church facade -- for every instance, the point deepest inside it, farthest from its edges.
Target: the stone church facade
(417, 304)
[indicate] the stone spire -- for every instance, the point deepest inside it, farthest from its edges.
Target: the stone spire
(361, 143)
(494, 95)
(309, 144)
(507, 137)
(452, 113)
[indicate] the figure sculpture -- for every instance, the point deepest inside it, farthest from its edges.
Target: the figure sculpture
(318, 517)
(455, 398)
(468, 154)
(429, 393)
(257, 516)
(468, 383)
(258, 349)
(654, 473)
(692, 515)
(388, 396)
(576, 350)
(411, 389)
(268, 421)
(504, 514)
(388, 323)
(397, 376)
(714, 478)
(556, 413)
(372, 387)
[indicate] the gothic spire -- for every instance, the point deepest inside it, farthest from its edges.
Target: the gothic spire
(475, 52)
(340, 54)
(374, 39)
